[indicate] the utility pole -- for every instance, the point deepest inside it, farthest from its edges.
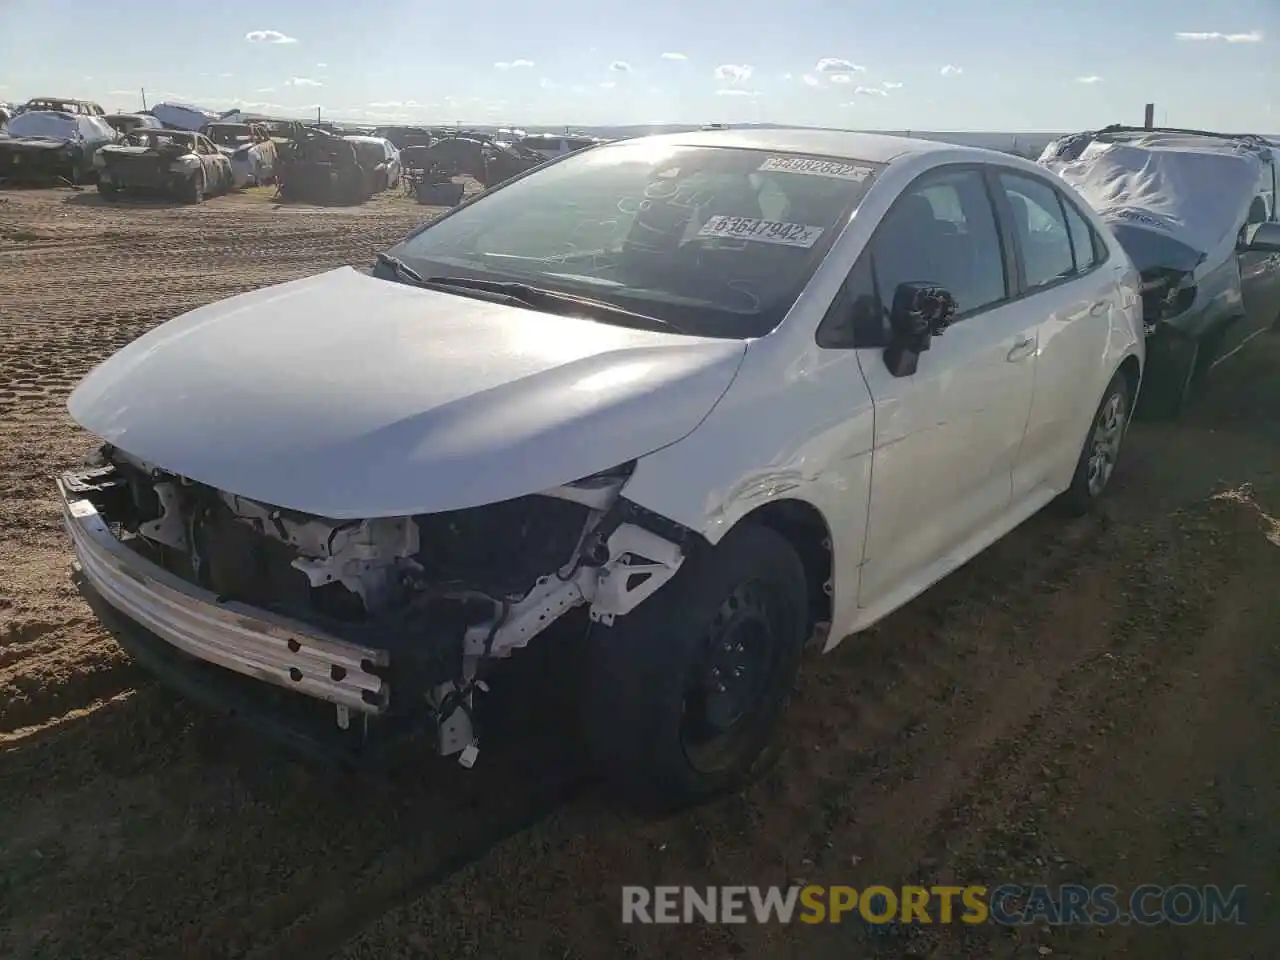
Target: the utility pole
(144, 98)
(1149, 120)
(317, 114)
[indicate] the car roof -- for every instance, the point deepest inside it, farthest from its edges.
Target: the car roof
(846, 144)
(364, 138)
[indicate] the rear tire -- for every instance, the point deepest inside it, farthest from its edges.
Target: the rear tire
(684, 694)
(1101, 449)
(1174, 370)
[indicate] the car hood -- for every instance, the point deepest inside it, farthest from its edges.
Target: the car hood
(344, 396)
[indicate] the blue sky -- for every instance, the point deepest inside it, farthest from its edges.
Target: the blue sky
(887, 64)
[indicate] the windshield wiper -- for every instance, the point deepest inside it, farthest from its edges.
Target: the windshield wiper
(406, 274)
(552, 301)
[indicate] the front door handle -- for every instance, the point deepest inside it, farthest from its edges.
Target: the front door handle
(1022, 349)
(1099, 308)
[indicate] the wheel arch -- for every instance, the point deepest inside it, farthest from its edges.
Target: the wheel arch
(805, 527)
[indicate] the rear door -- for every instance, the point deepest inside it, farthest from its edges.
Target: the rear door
(1074, 300)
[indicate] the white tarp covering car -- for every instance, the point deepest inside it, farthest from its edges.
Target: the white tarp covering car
(1196, 212)
(1180, 185)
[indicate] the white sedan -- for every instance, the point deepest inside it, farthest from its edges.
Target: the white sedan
(713, 394)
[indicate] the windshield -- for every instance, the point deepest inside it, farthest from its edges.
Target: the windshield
(716, 241)
(152, 138)
(55, 126)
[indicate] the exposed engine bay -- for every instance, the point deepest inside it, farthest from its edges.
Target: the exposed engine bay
(439, 593)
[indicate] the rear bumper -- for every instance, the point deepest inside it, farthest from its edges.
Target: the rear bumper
(19, 163)
(234, 636)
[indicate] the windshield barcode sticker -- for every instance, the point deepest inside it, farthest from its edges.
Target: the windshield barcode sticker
(816, 168)
(761, 231)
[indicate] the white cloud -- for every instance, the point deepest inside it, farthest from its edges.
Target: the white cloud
(608, 85)
(546, 83)
(1253, 36)
(1091, 79)
(265, 90)
(302, 82)
(870, 91)
(321, 66)
(224, 76)
(620, 66)
(891, 85)
(513, 64)
(268, 36)
(841, 78)
(950, 70)
(810, 80)
(786, 76)
(837, 65)
(88, 78)
(736, 92)
(734, 72)
(577, 89)
(674, 56)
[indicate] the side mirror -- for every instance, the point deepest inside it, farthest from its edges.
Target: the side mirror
(1260, 238)
(920, 312)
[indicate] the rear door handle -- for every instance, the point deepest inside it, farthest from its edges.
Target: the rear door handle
(1022, 349)
(1099, 308)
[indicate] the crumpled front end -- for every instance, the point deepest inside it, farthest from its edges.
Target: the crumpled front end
(389, 622)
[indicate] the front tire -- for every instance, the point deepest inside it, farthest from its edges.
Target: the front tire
(192, 189)
(684, 694)
(1101, 448)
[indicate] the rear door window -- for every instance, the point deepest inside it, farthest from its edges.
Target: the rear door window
(1041, 228)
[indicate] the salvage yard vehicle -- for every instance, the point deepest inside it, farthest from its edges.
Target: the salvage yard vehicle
(80, 108)
(315, 166)
(1196, 211)
(123, 123)
(670, 391)
(44, 145)
(177, 163)
(550, 147)
(381, 157)
(250, 149)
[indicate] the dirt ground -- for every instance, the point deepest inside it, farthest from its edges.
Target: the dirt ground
(1092, 701)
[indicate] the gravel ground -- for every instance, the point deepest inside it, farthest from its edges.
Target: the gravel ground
(1090, 701)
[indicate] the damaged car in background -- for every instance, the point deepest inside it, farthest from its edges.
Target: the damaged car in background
(42, 145)
(250, 149)
(176, 163)
(1196, 211)
(630, 397)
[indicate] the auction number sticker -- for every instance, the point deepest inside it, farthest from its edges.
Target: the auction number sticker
(761, 231)
(816, 168)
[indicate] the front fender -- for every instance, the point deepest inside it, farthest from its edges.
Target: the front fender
(800, 430)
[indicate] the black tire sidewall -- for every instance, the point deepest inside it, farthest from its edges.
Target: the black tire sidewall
(1078, 498)
(637, 668)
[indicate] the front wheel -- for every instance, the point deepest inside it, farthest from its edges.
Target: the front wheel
(684, 694)
(192, 189)
(1101, 449)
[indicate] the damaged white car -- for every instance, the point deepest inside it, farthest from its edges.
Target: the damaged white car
(706, 396)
